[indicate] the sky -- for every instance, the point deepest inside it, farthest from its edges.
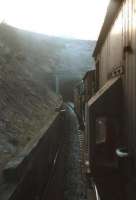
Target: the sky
(81, 19)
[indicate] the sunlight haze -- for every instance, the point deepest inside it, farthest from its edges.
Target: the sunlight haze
(80, 19)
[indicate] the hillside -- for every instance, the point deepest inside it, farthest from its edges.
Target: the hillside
(29, 64)
(69, 59)
(26, 102)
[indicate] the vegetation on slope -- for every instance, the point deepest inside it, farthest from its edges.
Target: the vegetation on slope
(29, 64)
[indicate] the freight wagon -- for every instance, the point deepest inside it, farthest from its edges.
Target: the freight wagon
(78, 98)
(111, 112)
(89, 84)
(82, 93)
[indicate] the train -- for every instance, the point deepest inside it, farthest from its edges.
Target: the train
(105, 102)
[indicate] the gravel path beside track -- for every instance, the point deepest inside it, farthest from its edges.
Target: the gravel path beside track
(74, 185)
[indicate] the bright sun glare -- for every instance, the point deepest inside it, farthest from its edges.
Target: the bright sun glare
(67, 18)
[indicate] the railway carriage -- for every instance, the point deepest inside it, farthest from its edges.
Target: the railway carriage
(111, 112)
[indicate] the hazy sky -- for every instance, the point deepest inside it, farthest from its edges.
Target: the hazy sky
(68, 18)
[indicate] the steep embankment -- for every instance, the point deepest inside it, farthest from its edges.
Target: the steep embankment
(26, 101)
(29, 65)
(66, 59)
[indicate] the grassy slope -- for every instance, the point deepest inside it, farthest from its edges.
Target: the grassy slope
(28, 65)
(26, 102)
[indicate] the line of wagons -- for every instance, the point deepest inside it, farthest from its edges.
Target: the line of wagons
(105, 102)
